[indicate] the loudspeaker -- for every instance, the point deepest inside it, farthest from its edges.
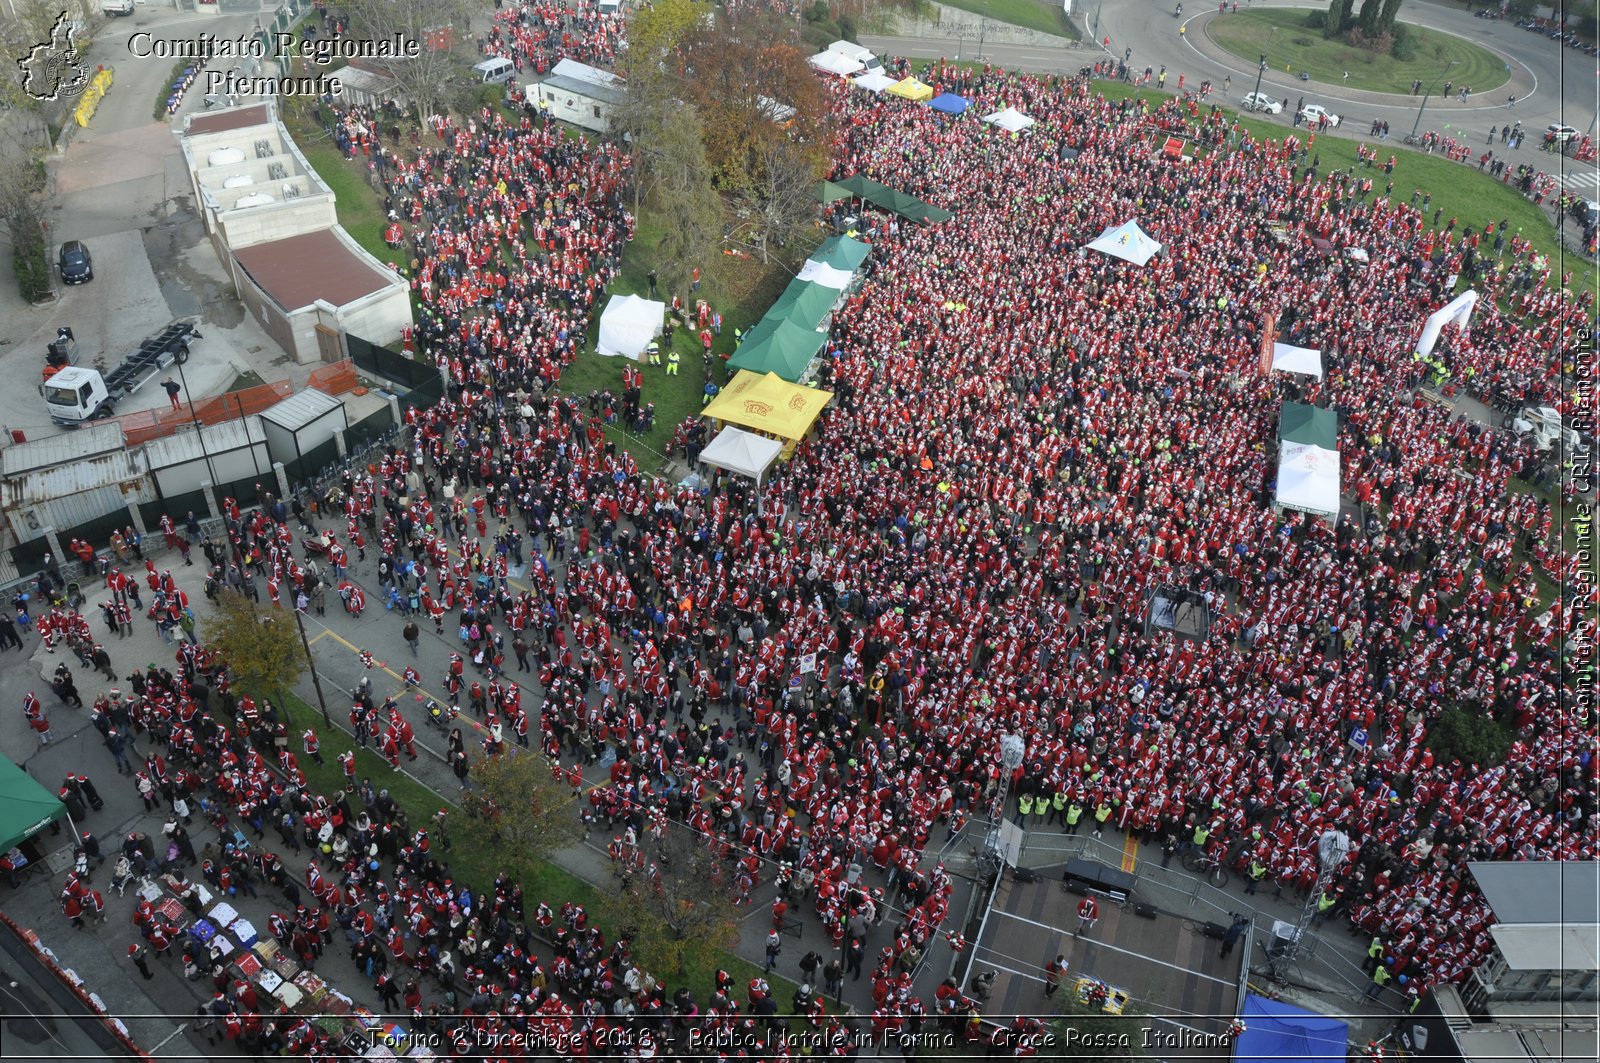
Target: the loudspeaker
(1214, 930)
(1073, 885)
(1023, 874)
(1144, 911)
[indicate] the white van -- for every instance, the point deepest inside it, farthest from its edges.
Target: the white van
(861, 55)
(495, 71)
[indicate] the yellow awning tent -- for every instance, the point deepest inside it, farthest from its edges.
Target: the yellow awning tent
(911, 89)
(768, 404)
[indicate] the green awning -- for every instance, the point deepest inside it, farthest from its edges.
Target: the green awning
(827, 191)
(842, 252)
(778, 345)
(26, 807)
(1311, 425)
(901, 203)
(805, 303)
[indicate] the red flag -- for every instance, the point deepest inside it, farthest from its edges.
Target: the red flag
(1269, 335)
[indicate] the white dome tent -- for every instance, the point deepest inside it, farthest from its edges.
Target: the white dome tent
(1127, 242)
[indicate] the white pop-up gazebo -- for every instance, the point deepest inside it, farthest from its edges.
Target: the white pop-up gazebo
(873, 82)
(1010, 119)
(1290, 359)
(743, 454)
(833, 63)
(1127, 242)
(628, 324)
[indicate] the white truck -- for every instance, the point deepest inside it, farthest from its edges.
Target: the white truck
(116, 7)
(1543, 425)
(75, 395)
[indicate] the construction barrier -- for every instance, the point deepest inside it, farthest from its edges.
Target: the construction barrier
(141, 427)
(73, 981)
(99, 85)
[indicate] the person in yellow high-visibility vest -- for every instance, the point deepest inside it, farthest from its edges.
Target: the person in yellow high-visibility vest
(673, 361)
(1102, 812)
(653, 352)
(1074, 814)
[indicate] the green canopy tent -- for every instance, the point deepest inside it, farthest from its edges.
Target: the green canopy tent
(26, 807)
(778, 345)
(805, 303)
(827, 192)
(901, 203)
(842, 252)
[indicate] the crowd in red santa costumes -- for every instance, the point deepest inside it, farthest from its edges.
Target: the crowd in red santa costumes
(1027, 439)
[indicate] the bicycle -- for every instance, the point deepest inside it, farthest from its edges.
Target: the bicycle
(1208, 868)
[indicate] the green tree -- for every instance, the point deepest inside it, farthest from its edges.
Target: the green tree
(1474, 738)
(656, 31)
(684, 197)
(260, 645)
(1338, 17)
(519, 811)
(1387, 16)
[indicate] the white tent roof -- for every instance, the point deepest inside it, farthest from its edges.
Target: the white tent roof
(874, 82)
(741, 452)
(1010, 119)
(825, 275)
(834, 63)
(628, 324)
(1308, 478)
(1127, 242)
(1307, 360)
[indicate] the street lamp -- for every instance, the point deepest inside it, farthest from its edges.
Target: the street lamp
(199, 429)
(1260, 71)
(1415, 125)
(983, 29)
(316, 680)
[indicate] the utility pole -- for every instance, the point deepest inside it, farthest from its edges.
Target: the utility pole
(983, 31)
(1260, 70)
(1418, 123)
(316, 680)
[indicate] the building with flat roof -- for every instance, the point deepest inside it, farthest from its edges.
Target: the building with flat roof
(1546, 933)
(273, 221)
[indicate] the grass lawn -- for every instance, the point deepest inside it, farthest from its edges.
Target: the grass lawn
(468, 864)
(1291, 45)
(1459, 191)
(743, 289)
(360, 213)
(1029, 14)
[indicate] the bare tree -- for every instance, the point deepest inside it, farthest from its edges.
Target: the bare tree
(681, 902)
(426, 78)
(780, 199)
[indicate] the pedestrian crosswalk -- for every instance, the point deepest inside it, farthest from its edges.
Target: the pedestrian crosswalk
(1580, 179)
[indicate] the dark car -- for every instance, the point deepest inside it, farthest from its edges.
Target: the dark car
(76, 267)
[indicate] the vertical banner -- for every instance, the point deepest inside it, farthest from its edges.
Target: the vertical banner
(1269, 335)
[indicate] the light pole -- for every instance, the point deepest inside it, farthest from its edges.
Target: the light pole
(983, 30)
(1098, 5)
(1415, 125)
(316, 680)
(1260, 71)
(199, 429)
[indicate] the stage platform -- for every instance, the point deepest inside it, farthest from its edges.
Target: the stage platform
(1183, 993)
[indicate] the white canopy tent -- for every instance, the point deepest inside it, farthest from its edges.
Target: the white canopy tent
(876, 82)
(743, 454)
(1127, 242)
(834, 63)
(628, 324)
(1288, 359)
(1010, 119)
(1457, 311)
(1308, 478)
(825, 275)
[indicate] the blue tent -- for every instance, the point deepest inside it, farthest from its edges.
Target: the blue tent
(1275, 1032)
(949, 103)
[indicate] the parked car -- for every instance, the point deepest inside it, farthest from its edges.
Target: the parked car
(1312, 113)
(75, 264)
(1559, 134)
(116, 7)
(1260, 101)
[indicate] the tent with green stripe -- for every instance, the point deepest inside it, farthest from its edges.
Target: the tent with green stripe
(1308, 460)
(805, 303)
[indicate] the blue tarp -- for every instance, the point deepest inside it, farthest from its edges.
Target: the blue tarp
(1275, 1032)
(949, 103)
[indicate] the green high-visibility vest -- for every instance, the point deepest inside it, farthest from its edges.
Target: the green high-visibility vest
(1025, 803)
(1059, 801)
(1324, 902)
(1375, 949)
(1382, 976)
(1202, 835)
(1257, 872)
(1074, 814)
(1103, 813)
